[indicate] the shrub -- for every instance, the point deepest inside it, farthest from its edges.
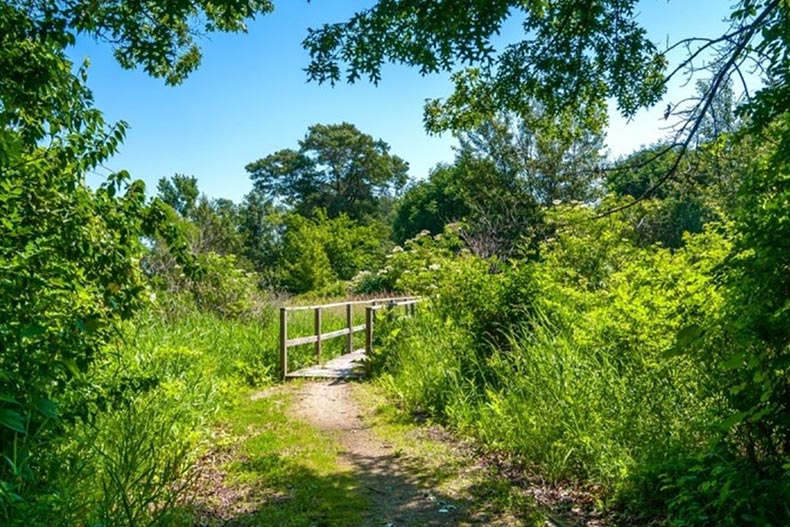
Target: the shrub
(588, 361)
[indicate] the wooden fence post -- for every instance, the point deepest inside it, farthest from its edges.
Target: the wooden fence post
(283, 343)
(350, 324)
(369, 316)
(318, 334)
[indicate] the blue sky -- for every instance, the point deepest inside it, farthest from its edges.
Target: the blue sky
(250, 98)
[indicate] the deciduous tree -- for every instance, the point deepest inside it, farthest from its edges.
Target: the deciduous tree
(574, 56)
(337, 168)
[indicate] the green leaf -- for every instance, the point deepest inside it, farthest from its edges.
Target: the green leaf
(733, 362)
(685, 338)
(71, 365)
(46, 408)
(33, 330)
(732, 420)
(12, 420)
(8, 399)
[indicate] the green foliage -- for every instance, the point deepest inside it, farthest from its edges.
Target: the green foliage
(216, 228)
(70, 266)
(570, 58)
(159, 36)
(70, 263)
(507, 168)
(132, 427)
(570, 61)
(751, 350)
(603, 361)
(713, 488)
(337, 169)
(210, 225)
(423, 359)
(555, 157)
(494, 209)
(304, 265)
(430, 204)
(412, 270)
(260, 229)
(317, 252)
(351, 247)
(226, 290)
(180, 192)
(676, 206)
(690, 191)
(240, 350)
(217, 284)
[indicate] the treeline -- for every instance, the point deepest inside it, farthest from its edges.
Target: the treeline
(316, 216)
(322, 217)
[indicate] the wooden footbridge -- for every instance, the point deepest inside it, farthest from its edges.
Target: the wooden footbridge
(349, 364)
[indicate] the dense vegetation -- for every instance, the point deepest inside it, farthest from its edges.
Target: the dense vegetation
(618, 324)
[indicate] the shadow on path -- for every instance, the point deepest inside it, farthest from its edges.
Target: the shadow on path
(317, 463)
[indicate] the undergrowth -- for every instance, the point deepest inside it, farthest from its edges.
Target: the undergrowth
(597, 365)
(134, 422)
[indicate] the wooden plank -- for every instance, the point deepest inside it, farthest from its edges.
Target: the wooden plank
(348, 366)
(318, 334)
(324, 336)
(353, 302)
(411, 302)
(283, 343)
(370, 313)
(350, 327)
(303, 340)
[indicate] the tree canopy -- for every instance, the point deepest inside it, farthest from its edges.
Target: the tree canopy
(157, 35)
(575, 56)
(180, 192)
(336, 168)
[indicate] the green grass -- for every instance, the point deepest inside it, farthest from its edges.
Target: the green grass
(230, 350)
(292, 469)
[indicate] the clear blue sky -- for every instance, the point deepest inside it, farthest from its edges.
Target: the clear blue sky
(250, 98)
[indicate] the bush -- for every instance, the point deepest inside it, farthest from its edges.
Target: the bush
(130, 426)
(69, 261)
(590, 362)
(227, 290)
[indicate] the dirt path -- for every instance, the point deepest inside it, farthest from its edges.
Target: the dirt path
(401, 488)
(321, 454)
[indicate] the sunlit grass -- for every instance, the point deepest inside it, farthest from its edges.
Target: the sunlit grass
(292, 468)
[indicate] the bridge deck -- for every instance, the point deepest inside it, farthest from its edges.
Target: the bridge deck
(348, 366)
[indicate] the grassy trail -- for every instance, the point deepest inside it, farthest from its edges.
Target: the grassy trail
(334, 455)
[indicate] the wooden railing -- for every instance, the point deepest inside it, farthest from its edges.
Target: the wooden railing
(318, 337)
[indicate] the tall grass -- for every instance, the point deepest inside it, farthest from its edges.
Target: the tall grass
(126, 459)
(604, 362)
(125, 456)
(575, 410)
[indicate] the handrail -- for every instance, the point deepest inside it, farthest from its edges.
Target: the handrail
(318, 337)
(352, 302)
(324, 336)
